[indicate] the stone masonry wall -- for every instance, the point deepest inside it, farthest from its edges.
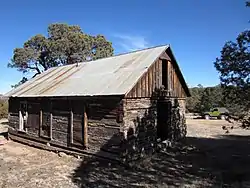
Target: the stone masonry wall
(140, 126)
(140, 132)
(178, 120)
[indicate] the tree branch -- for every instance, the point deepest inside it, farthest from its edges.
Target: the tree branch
(35, 68)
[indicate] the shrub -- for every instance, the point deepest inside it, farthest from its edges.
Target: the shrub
(3, 109)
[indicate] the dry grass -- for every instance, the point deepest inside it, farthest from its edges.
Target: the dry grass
(209, 157)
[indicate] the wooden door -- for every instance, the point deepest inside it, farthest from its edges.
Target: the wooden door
(33, 119)
(45, 126)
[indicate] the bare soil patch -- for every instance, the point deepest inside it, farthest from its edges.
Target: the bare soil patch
(208, 157)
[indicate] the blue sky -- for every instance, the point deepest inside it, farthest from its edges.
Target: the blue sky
(196, 30)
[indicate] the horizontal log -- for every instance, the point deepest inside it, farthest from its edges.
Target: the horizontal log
(57, 146)
(60, 136)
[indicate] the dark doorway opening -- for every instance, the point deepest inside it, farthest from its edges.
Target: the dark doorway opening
(33, 119)
(164, 107)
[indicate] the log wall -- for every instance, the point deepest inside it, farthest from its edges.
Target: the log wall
(125, 128)
(61, 121)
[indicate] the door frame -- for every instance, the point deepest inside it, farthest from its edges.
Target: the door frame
(23, 115)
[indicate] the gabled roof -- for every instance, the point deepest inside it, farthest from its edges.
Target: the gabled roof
(114, 75)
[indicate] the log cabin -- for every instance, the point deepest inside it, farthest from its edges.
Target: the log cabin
(116, 107)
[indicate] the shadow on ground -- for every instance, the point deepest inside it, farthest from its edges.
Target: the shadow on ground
(197, 162)
(4, 134)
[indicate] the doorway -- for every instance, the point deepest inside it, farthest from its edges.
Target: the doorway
(164, 107)
(23, 115)
(33, 118)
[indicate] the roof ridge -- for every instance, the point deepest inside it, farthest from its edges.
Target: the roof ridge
(148, 48)
(125, 53)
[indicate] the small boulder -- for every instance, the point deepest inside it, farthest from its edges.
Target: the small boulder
(62, 154)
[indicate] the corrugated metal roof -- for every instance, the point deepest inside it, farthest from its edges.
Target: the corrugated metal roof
(108, 76)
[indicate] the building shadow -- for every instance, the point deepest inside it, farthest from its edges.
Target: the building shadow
(4, 134)
(198, 162)
(223, 161)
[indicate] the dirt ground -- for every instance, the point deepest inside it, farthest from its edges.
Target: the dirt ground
(208, 157)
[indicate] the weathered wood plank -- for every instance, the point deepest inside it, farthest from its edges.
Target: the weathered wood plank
(14, 121)
(71, 126)
(138, 88)
(41, 123)
(134, 91)
(61, 137)
(146, 85)
(169, 76)
(150, 82)
(175, 84)
(50, 126)
(85, 128)
(154, 76)
(160, 72)
(20, 120)
(143, 86)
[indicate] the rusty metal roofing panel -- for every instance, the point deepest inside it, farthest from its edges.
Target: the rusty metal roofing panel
(114, 75)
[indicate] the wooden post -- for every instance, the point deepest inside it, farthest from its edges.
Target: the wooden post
(51, 122)
(158, 74)
(71, 126)
(40, 123)
(85, 128)
(20, 121)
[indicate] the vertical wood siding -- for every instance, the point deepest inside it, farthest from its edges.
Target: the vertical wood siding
(153, 79)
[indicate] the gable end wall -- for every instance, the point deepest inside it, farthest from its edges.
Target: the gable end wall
(152, 80)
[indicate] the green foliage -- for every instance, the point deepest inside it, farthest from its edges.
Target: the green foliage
(3, 108)
(205, 98)
(193, 102)
(234, 69)
(212, 97)
(65, 44)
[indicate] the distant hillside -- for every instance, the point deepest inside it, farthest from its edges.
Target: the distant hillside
(3, 98)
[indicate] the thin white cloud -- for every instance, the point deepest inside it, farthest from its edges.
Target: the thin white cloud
(131, 43)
